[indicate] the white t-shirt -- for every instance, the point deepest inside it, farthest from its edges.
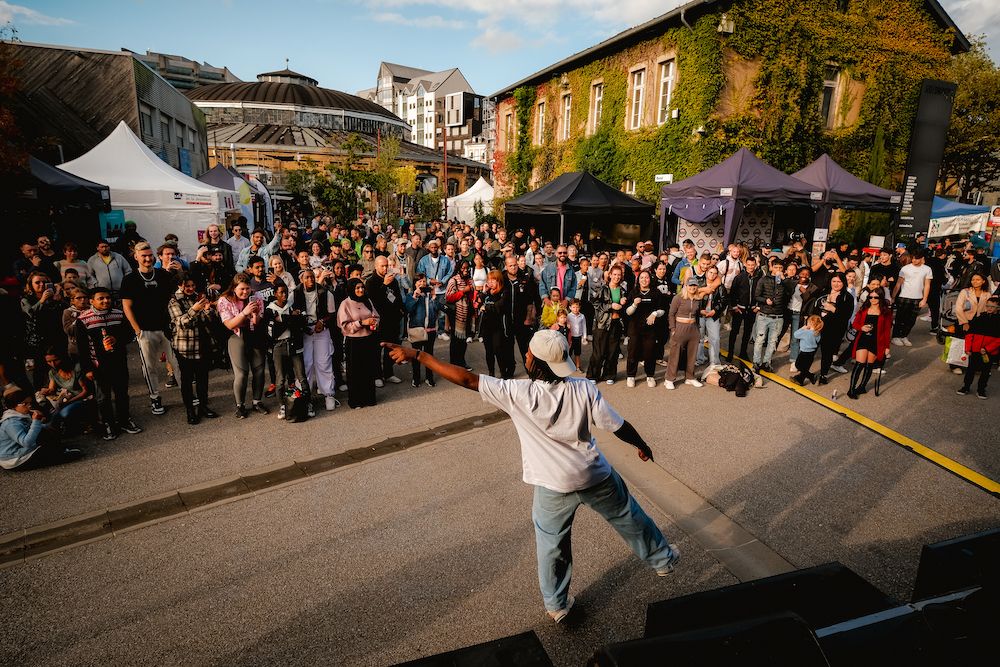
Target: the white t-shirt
(553, 423)
(913, 280)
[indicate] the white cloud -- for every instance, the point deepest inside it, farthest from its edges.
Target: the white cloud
(977, 17)
(18, 14)
(428, 22)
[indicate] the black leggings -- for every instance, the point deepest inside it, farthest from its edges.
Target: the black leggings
(641, 345)
(604, 353)
(193, 371)
(978, 365)
(499, 351)
(424, 346)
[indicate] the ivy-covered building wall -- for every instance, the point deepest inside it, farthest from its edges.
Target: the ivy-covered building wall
(788, 79)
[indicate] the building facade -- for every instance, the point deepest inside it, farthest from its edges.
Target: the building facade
(70, 99)
(675, 95)
(183, 73)
(443, 111)
(286, 121)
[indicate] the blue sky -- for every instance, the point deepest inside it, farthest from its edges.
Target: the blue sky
(341, 42)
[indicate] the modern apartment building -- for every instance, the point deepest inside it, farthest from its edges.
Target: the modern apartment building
(182, 73)
(441, 108)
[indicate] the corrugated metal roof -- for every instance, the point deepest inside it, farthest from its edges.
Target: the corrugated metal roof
(267, 92)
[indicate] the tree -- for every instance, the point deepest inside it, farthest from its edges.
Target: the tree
(385, 175)
(972, 153)
(13, 153)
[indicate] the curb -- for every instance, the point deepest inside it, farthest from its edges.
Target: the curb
(30, 543)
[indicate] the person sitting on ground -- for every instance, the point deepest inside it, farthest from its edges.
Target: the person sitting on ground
(24, 435)
(67, 392)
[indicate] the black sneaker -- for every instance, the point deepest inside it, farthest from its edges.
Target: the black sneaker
(109, 432)
(271, 391)
(414, 384)
(824, 379)
(207, 412)
(241, 412)
(767, 368)
(171, 382)
(156, 406)
(72, 454)
(981, 393)
(430, 382)
(130, 427)
(259, 407)
(756, 368)
(963, 391)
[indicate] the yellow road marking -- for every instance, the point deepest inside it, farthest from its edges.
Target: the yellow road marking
(951, 465)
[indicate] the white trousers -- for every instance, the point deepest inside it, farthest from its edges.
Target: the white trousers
(151, 345)
(318, 357)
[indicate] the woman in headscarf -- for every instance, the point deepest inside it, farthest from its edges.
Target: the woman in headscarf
(358, 320)
(461, 294)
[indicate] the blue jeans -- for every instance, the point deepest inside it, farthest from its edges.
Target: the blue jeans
(553, 512)
(710, 328)
(768, 327)
(793, 345)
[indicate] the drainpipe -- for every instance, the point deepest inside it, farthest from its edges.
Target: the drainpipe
(684, 20)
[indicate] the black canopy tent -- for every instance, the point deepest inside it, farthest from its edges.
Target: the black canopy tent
(51, 186)
(842, 189)
(728, 188)
(575, 202)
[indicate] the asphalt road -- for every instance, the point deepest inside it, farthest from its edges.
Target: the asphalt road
(431, 550)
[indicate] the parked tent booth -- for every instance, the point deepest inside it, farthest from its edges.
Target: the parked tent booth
(48, 200)
(577, 202)
(951, 218)
(160, 199)
(842, 189)
(226, 178)
(742, 183)
(463, 206)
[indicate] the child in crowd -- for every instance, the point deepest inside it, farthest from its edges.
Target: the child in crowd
(551, 305)
(562, 326)
(102, 332)
(577, 330)
(808, 337)
(285, 327)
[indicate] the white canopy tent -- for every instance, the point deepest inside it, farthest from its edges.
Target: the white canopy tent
(159, 198)
(462, 206)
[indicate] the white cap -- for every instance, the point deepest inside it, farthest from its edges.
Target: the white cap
(550, 346)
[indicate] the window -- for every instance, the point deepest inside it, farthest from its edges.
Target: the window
(567, 111)
(638, 97)
(540, 124)
(629, 187)
(146, 121)
(165, 130)
(191, 137)
(508, 132)
(831, 76)
(666, 90)
(597, 93)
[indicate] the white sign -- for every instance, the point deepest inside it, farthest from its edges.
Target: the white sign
(816, 196)
(876, 242)
(725, 192)
(994, 217)
(664, 178)
(820, 234)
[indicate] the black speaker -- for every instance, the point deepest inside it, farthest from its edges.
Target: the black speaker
(523, 650)
(958, 564)
(900, 640)
(823, 595)
(768, 641)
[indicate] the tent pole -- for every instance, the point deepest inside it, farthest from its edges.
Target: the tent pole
(562, 228)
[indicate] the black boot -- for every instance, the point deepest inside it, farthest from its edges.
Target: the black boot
(192, 415)
(855, 379)
(866, 375)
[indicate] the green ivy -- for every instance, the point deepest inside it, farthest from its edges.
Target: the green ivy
(888, 46)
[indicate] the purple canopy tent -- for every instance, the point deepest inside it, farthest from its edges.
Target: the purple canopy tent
(842, 189)
(729, 187)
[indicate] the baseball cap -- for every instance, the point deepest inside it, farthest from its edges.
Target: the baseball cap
(691, 281)
(552, 347)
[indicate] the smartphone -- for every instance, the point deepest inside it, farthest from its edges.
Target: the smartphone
(50, 286)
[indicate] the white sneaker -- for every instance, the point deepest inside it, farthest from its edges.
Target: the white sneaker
(669, 384)
(443, 336)
(907, 343)
(281, 412)
(793, 368)
(925, 318)
(331, 403)
(694, 383)
(897, 341)
(342, 387)
(609, 382)
(629, 382)
(379, 383)
(957, 371)
(881, 371)
(310, 410)
(650, 382)
(661, 362)
(839, 369)
(592, 381)
(393, 379)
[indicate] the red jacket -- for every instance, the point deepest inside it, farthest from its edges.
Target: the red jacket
(975, 343)
(883, 332)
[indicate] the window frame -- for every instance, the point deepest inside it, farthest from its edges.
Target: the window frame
(596, 104)
(567, 115)
(833, 87)
(540, 123)
(637, 107)
(663, 109)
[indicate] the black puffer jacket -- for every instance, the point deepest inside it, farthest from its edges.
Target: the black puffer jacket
(774, 290)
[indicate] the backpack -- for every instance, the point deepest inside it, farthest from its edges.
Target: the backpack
(296, 406)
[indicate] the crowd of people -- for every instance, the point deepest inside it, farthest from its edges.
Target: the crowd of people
(301, 313)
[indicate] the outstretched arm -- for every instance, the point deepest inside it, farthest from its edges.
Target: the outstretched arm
(450, 372)
(627, 433)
